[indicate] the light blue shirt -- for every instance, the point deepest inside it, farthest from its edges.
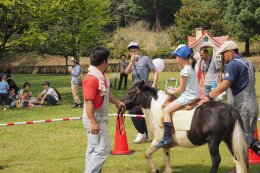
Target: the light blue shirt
(142, 68)
(75, 74)
(4, 87)
(192, 85)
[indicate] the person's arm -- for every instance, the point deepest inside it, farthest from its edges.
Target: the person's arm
(181, 88)
(90, 113)
(128, 69)
(223, 86)
(155, 77)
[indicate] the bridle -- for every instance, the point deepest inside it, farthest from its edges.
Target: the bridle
(136, 94)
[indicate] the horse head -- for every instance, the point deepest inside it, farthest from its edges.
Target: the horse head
(139, 94)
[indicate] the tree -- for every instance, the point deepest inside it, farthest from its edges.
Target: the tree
(14, 17)
(243, 19)
(158, 13)
(196, 14)
(68, 27)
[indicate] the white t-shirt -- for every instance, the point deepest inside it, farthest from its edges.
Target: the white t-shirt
(192, 85)
(51, 92)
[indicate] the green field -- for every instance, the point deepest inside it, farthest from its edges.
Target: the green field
(59, 147)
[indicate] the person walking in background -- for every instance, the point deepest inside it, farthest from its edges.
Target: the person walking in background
(240, 78)
(189, 90)
(4, 87)
(140, 66)
(211, 71)
(48, 95)
(76, 72)
(95, 115)
(121, 67)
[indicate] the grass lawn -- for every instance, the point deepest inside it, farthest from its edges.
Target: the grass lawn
(59, 147)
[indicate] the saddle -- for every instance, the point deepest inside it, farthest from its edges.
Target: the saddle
(188, 106)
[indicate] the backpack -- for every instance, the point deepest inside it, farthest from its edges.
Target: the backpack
(58, 93)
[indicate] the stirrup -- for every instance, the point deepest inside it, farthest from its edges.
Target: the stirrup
(164, 143)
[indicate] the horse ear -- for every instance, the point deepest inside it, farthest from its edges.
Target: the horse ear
(141, 84)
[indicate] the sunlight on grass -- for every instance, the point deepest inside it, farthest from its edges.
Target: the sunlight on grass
(59, 147)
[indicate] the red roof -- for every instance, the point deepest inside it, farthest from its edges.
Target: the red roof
(217, 40)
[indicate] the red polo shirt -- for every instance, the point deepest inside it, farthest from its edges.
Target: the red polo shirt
(90, 90)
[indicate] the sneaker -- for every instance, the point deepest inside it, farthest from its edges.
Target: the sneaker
(79, 106)
(141, 138)
(164, 143)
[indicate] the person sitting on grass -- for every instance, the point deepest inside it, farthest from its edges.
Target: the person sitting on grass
(12, 98)
(48, 95)
(26, 86)
(25, 99)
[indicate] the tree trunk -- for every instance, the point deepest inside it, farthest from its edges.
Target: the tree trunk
(157, 15)
(247, 47)
(66, 59)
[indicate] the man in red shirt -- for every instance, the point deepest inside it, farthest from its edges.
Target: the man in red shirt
(95, 115)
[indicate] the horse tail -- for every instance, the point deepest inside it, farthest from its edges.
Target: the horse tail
(240, 147)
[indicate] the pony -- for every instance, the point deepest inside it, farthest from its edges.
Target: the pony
(212, 123)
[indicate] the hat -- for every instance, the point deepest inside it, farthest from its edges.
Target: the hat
(228, 45)
(46, 83)
(133, 45)
(182, 51)
(74, 59)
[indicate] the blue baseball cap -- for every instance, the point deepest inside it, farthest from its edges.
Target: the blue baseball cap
(182, 51)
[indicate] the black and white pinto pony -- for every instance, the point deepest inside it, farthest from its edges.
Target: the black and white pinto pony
(212, 123)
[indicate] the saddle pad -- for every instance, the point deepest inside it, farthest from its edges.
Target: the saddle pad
(181, 119)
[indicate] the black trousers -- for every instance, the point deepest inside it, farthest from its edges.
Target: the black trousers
(122, 76)
(139, 123)
(50, 100)
(3, 99)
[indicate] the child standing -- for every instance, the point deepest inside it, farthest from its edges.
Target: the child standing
(189, 90)
(4, 87)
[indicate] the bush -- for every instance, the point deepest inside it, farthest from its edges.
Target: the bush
(153, 44)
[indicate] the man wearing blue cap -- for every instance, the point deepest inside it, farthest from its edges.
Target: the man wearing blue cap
(189, 90)
(140, 66)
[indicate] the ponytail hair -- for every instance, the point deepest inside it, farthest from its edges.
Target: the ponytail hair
(193, 60)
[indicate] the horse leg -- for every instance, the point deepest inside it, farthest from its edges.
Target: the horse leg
(214, 154)
(148, 156)
(167, 159)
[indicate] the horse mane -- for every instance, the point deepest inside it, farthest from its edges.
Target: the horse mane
(147, 93)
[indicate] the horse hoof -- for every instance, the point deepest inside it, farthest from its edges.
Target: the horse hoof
(167, 171)
(155, 171)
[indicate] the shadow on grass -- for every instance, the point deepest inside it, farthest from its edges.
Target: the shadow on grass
(199, 168)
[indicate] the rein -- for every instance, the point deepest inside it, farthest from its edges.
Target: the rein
(120, 117)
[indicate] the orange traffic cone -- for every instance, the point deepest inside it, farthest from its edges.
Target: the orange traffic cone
(121, 145)
(253, 157)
